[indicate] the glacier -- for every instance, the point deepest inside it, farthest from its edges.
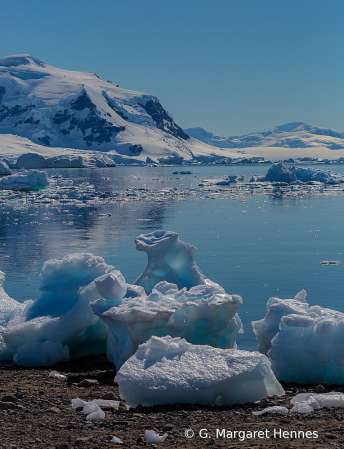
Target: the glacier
(303, 343)
(171, 370)
(171, 297)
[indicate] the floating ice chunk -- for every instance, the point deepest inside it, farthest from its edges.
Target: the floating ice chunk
(31, 160)
(183, 172)
(25, 180)
(330, 262)
(96, 416)
(153, 437)
(275, 409)
(171, 370)
(230, 179)
(57, 375)
(290, 174)
(61, 316)
(169, 260)
(304, 344)
(4, 168)
(116, 440)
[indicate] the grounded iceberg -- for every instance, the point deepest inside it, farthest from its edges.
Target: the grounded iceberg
(291, 174)
(59, 324)
(25, 180)
(303, 343)
(171, 370)
(194, 307)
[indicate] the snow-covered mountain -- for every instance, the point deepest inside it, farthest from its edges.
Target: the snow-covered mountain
(291, 135)
(60, 108)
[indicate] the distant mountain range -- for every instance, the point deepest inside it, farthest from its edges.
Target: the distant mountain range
(77, 110)
(291, 135)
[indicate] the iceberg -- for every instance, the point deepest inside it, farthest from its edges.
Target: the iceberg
(303, 343)
(171, 370)
(291, 174)
(25, 180)
(194, 307)
(59, 324)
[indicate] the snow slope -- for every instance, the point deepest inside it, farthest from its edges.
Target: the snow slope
(77, 110)
(295, 140)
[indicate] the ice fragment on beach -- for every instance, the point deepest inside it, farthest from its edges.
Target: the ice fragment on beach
(96, 416)
(303, 343)
(275, 409)
(57, 375)
(171, 370)
(116, 440)
(316, 400)
(153, 437)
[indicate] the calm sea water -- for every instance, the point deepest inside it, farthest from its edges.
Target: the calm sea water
(256, 245)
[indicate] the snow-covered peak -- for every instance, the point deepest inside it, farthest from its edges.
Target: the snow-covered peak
(18, 60)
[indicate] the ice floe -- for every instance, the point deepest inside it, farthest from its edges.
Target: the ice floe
(171, 370)
(303, 343)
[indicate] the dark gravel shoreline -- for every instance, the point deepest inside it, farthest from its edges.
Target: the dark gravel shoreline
(43, 417)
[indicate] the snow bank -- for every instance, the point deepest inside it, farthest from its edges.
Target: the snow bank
(25, 180)
(59, 324)
(171, 370)
(4, 168)
(303, 343)
(291, 174)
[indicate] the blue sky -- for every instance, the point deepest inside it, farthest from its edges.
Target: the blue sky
(230, 66)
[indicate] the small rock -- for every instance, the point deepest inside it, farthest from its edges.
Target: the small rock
(81, 440)
(109, 397)
(7, 406)
(299, 424)
(9, 399)
(53, 410)
(79, 409)
(88, 383)
(319, 389)
(62, 446)
(12, 412)
(168, 427)
(138, 408)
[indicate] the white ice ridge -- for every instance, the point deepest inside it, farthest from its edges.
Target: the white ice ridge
(303, 343)
(25, 180)
(204, 314)
(171, 370)
(291, 174)
(59, 324)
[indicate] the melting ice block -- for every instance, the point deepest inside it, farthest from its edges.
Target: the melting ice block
(25, 180)
(303, 343)
(169, 259)
(59, 324)
(192, 307)
(171, 370)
